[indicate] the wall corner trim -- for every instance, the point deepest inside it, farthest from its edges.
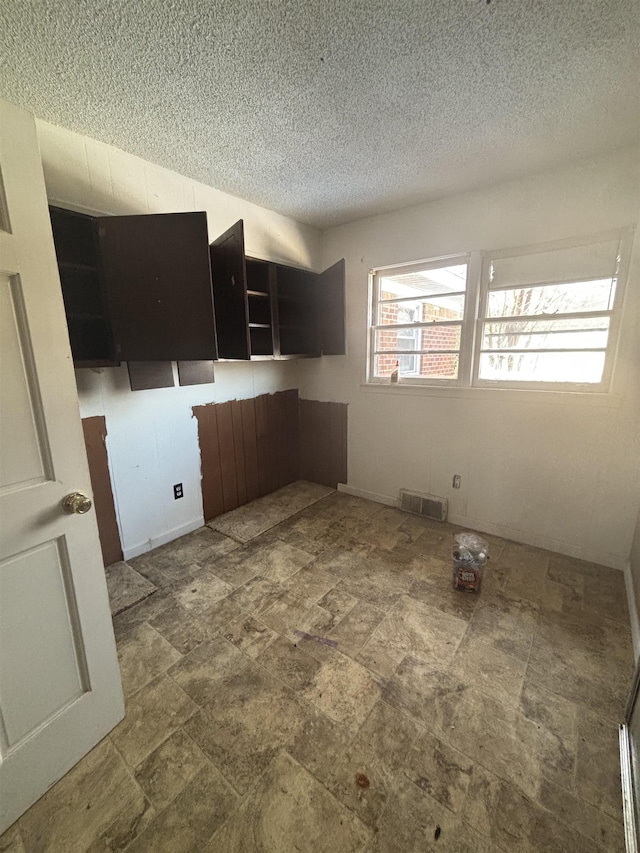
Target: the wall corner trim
(633, 611)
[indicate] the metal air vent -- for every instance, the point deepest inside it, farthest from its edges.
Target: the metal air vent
(430, 506)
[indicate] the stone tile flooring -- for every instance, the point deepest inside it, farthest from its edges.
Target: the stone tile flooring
(433, 721)
(126, 587)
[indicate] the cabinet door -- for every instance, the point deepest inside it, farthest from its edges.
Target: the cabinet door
(331, 311)
(76, 242)
(229, 275)
(158, 281)
(297, 315)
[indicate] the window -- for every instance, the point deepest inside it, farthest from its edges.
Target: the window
(417, 322)
(541, 317)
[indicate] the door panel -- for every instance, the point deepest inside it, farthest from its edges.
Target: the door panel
(23, 450)
(297, 320)
(60, 690)
(76, 241)
(49, 649)
(229, 276)
(331, 310)
(158, 280)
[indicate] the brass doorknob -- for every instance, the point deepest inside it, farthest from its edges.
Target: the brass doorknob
(76, 502)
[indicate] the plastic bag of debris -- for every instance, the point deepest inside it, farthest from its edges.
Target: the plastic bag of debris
(469, 553)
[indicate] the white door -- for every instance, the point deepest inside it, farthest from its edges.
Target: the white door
(60, 690)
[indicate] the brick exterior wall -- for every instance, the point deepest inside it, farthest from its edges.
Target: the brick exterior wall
(387, 339)
(435, 337)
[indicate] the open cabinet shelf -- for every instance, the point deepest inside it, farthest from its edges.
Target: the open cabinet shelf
(271, 310)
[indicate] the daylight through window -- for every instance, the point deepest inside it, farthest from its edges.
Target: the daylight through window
(419, 321)
(544, 316)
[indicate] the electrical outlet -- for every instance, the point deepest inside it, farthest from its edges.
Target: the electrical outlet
(456, 481)
(177, 491)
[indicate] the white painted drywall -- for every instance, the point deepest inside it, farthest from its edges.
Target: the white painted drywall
(552, 470)
(152, 437)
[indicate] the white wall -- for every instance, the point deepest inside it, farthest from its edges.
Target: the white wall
(152, 437)
(552, 470)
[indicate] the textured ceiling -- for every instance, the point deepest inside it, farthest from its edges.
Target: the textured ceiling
(329, 110)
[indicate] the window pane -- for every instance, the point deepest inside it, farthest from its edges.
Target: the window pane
(430, 282)
(421, 311)
(439, 366)
(588, 333)
(584, 367)
(552, 299)
(427, 366)
(438, 337)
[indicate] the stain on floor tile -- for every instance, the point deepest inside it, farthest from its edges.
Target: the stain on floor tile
(152, 714)
(422, 631)
(291, 810)
(143, 655)
(166, 771)
(190, 820)
(250, 635)
(251, 718)
(201, 673)
(82, 805)
(202, 591)
(493, 672)
(344, 690)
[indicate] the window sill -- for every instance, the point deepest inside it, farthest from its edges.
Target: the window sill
(596, 399)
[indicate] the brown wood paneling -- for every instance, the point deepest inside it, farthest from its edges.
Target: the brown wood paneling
(227, 457)
(95, 432)
(280, 436)
(250, 448)
(323, 442)
(249, 435)
(307, 454)
(292, 406)
(272, 437)
(322, 426)
(271, 459)
(262, 442)
(212, 499)
(338, 442)
(238, 445)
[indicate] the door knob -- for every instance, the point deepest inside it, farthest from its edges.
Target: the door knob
(76, 502)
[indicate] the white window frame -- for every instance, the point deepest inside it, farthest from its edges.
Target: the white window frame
(474, 317)
(624, 238)
(466, 346)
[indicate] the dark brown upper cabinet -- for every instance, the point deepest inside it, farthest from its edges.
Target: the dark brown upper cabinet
(269, 310)
(229, 275)
(85, 302)
(297, 312)
(136, 288)
(331, 309)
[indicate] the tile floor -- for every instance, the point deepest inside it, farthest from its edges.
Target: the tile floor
(317, 686)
